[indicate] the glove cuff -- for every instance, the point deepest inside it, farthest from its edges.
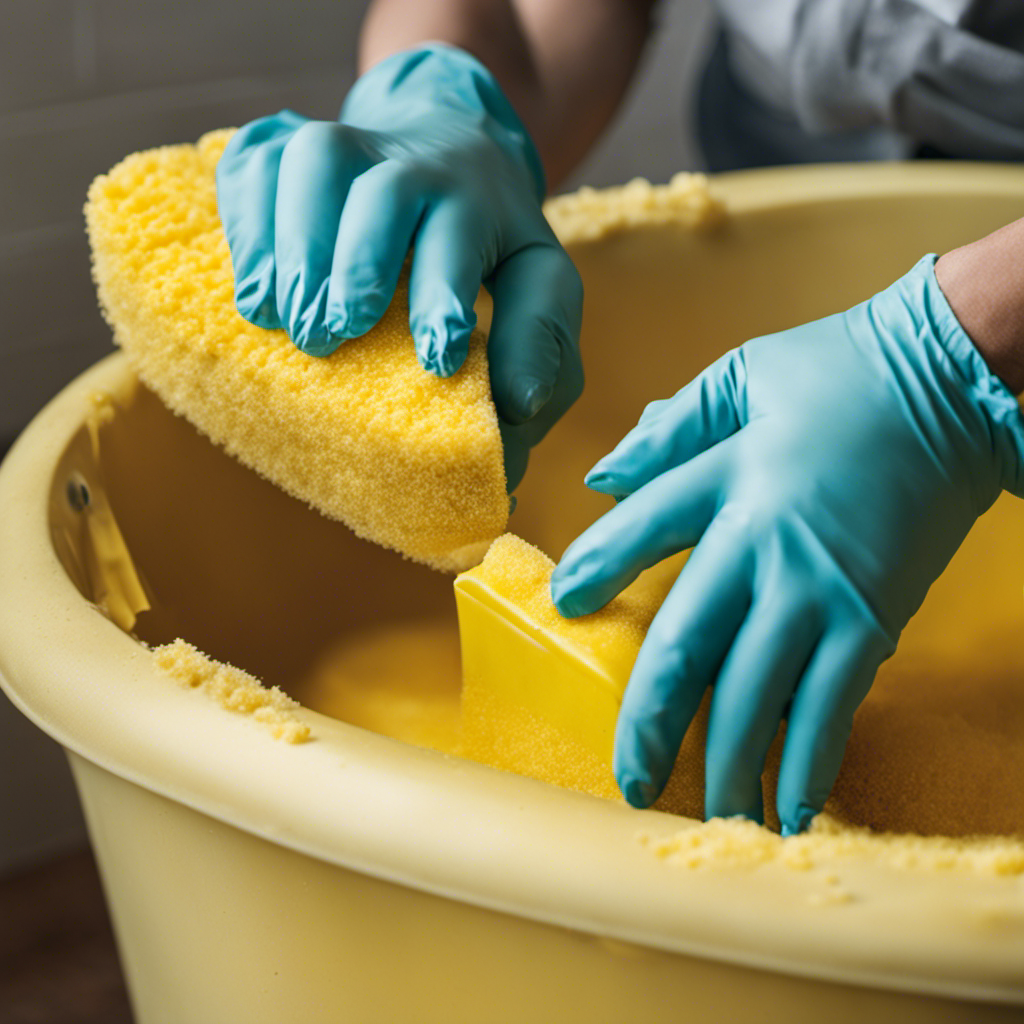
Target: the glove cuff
(1000, 408)
(433, 75)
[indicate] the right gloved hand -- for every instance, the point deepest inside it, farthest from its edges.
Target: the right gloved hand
(824, 476)
(428, 152)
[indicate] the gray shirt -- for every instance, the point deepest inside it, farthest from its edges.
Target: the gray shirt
(947, 73)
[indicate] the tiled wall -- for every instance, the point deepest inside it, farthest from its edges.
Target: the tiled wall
(82, 83)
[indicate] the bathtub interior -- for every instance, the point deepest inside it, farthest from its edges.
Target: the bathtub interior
(253, 577)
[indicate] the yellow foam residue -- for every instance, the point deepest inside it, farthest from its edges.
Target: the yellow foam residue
(591, 213)
(736, 842)
(938, 746)
(233, 689)
(365, 435)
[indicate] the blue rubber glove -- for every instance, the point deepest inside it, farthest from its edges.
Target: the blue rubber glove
(826, 475)
(320, 216)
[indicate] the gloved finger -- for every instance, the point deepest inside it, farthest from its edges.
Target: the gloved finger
(533, 347)
(666, 516)
(838, 678)
(678, 661)
(318, 165)
(706, 411)
(517, 455)
(377, 225)
(757, 679)
(447, 269)
(246, 194)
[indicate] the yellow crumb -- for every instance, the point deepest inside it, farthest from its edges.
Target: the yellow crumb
(592, 213)
(365, 435)
(232, 689)
(735, 842)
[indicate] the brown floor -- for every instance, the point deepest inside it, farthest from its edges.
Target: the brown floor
(58, 962)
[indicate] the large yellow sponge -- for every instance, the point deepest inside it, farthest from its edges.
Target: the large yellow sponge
(365, 435)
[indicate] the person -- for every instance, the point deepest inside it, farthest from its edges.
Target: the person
(824, 476)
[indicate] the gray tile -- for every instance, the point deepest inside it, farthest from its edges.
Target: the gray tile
(52, 327)
(48, 158)
(154, 43)
(55, 51)
(38, 62)
(47, 294)
(29, 379)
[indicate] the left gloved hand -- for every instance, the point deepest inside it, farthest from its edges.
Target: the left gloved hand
(826, 475)
(428, 153)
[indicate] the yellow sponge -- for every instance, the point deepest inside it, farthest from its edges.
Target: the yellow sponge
(365, 435)
(541, 694)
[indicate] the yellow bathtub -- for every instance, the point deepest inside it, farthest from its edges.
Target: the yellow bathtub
(358, 878)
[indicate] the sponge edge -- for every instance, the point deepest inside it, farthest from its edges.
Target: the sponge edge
(610, 637)
(366, 436)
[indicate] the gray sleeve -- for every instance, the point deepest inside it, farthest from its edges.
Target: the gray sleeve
(925, 68)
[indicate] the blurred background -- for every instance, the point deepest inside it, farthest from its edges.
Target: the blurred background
(83, 83)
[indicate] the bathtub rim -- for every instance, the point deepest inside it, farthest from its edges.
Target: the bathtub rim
(68, 690)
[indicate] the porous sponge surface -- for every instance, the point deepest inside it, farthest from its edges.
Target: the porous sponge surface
(522, 574)
(591, 213)
(365, 435)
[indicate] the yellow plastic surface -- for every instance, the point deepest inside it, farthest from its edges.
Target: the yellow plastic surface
(229, 856)
(217, 926)
(421, 704)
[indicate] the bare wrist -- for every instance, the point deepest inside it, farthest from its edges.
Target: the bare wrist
(984, 284)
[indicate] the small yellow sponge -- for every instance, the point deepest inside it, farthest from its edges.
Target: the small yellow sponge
(540, 693)
(365, 435)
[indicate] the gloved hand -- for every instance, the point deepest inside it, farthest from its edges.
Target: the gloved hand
(320, 216)
(826, 475)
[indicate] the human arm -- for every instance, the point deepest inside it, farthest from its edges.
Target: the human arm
(563, 64)
(824, 477)
(984, 283)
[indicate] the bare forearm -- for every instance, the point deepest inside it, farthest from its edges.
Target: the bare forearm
(564, 64)
(984, 283)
